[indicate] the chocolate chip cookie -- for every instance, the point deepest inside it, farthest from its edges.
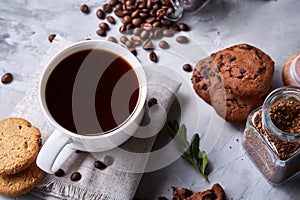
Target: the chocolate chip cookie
(19, 145)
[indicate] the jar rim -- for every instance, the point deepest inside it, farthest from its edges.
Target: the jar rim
(273, 97)
(293, 71)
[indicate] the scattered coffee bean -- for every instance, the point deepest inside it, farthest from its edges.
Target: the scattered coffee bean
(85, 9)
(133, 51)
(175, 27)
(100, 14)
(182, 39)
(148, 45)
(129, 44)
(187, 67)
(168, 33)
(153, 56)
(76, 176)
(101, 32)
(112, 39)
(59, 173)
(114, 2)
(51, 37)
(104, 26)
(152, 102)
(111, 19)
(122, 29)
(158, 34)
(137, 31)
(123, 39)
(144, 34)
(7, 78)
(184, 27)
(163, 44)
(107, 8)
(99, 165)
(165, 22)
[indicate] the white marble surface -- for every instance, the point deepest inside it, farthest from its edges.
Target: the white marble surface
(270, 25)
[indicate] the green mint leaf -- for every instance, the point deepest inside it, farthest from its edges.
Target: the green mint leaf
(204, 163)
(195, 148)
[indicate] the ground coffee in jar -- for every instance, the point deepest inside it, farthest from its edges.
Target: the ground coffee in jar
(272, 135)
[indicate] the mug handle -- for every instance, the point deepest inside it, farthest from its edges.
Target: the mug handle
(56, 150)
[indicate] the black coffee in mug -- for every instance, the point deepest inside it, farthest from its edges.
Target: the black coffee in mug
(92, 91)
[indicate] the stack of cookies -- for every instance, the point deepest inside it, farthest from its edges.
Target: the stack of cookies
(19, 146)
(234, 80)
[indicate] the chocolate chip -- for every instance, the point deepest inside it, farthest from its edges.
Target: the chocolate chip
(111, 19)
(164, 44)
(259, 54)
(184, 27)
(197, 79)
(107, 8)
(182, 39)
(123, 39)
(233, 58)
(85, 9)
(99, 165)
(7, 78)
(40, 142)
(187, 67)
(153, 56)
(246, 47)
(152, 102)
(101, 32)
(148, 45)
(204, 87)
(76, 176)
(242, 71)
(261, 69)
(112, 39)
(104, 26)
(243, 106)
(59, 173)
(51, 37)
(100, 14)
(239, 76)
(133, 51)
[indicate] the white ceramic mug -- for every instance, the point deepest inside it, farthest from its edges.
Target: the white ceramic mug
(62, 143)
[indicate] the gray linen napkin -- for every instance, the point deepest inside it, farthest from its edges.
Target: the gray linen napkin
(126, 163)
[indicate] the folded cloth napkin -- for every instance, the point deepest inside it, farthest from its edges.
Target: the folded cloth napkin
(120, 179)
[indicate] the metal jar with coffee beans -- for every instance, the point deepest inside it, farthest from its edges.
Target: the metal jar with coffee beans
(272, 135)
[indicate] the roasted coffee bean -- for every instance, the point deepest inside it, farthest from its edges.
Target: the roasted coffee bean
(152, 102)
(163, 44)
(137, 31)
(104, 26)
(119, 6)
(123, 39)
(187, 67)
(76, 176)
(118, 13)
(133, 51)
(100, 14)
(150, 20)
(7, 78)
(99, 165)
(184, 27)
(122, 29)
(165, 22)
(126, 19)
(112, 39)
(147, 26)
(153, 56)
(101, 32)
(135, 14)
(158, 34)
(107, 8)
(85, 9)
(170, 10)
(114, 2)
(59, 173)
(168, 33)
(144, 34)
(156, 24)
(153, 13)
(161, 13)
(129, 44)
(111, 19)
(143, 15)
(130, 28)
(165, 2)
(137, 21)
(148, 45)
(142, 5)
(149, 4)
(130, 8)
(51, 37)
(182, 39)
(175, 27)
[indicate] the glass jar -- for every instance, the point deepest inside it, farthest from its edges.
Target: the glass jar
(274, 151)
(186, 5)
(291, 71)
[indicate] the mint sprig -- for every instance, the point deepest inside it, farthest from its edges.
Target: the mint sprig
(190, 151)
